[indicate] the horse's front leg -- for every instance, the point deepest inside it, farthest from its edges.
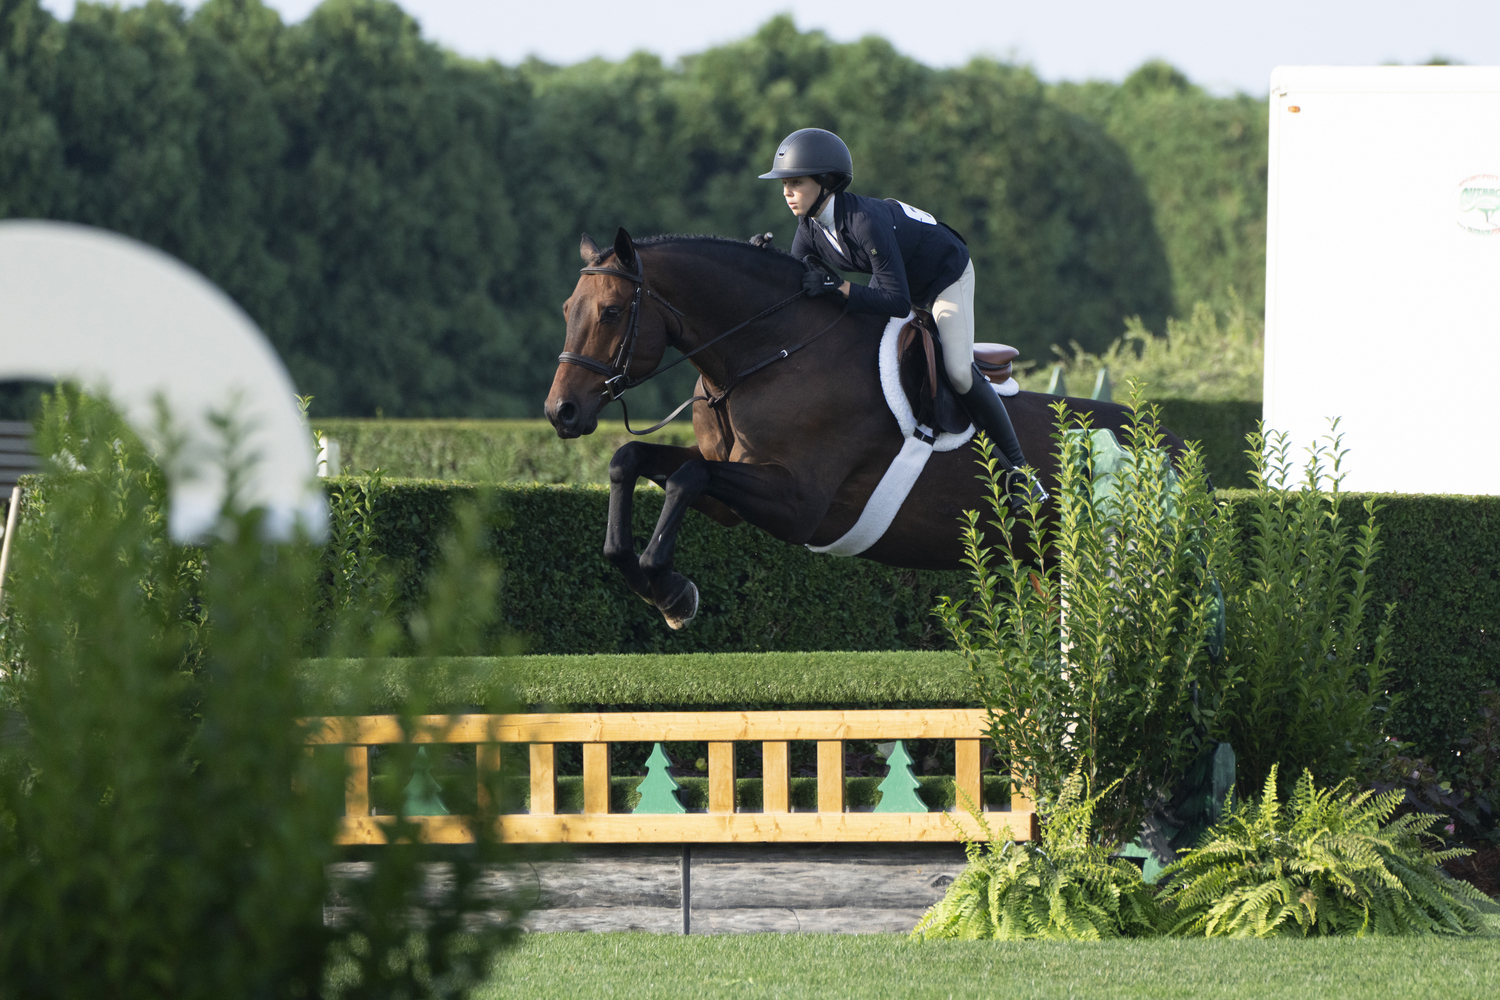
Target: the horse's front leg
(630, 462)
(764, 495)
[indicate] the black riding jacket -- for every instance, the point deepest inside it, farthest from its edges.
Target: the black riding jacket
(909, 259)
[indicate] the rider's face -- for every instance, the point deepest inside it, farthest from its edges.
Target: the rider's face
(800, 193)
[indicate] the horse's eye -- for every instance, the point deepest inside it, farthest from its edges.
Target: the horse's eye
(611, 313)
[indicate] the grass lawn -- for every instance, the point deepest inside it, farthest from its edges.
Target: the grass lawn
(579, 966)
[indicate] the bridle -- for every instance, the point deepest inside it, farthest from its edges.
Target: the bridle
(617, 373)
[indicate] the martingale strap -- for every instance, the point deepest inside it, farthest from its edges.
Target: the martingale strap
(617, 373)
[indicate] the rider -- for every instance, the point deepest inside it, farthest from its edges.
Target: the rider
(911, 257)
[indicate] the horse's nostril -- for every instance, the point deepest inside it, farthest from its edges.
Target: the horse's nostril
(567, 412)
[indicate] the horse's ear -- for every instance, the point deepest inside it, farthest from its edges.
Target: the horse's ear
(624, 248)
(588, 249)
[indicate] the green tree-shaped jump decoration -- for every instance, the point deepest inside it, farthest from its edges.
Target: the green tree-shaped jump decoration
(898, 792)
(422, 791)
(658, 789)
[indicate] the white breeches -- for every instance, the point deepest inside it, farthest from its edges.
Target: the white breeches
(953, 310)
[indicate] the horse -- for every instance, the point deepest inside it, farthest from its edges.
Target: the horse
(792, 429)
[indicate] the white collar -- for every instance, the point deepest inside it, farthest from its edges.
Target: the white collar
(826, 216)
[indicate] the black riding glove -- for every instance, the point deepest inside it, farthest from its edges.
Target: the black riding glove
(761, 240)
(816, 283)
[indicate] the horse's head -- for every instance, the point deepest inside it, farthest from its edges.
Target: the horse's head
(612, 331)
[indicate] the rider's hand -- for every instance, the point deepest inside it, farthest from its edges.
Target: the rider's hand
(816, 282)
(761, 240)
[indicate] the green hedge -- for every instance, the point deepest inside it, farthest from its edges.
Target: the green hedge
(1220, 427)
(526, 451)
(756, 594)
(1441, 565)
(484, 451)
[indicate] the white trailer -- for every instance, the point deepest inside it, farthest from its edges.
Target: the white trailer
(1383, 270)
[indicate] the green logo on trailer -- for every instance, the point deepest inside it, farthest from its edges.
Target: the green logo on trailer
(1479, 205)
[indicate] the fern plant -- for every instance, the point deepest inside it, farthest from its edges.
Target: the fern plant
(1329, 863)
(1066, 888)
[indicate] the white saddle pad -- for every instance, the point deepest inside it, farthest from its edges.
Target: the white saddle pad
(883, 505)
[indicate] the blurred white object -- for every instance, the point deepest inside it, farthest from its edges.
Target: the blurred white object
(1383, 256)
(328, 456)
(125, 319)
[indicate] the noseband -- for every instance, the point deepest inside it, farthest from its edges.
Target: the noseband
(617, 373)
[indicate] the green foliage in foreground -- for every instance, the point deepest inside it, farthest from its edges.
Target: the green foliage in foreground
(1305, 631)
(1067, 888)
(1328, 863)
(1332, 863)
(1110, 688)
(722, 681)
(162, 832)
(881, 967)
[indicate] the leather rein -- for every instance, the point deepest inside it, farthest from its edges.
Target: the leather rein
(617, 373)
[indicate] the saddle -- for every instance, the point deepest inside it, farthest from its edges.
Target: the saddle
(925, 382)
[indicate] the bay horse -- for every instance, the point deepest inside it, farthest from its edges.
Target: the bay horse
(797, 433)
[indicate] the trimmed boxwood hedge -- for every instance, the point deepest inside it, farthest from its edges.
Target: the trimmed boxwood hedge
(531, 451)
(1219, 426)
(756, 594)
(1440, 564)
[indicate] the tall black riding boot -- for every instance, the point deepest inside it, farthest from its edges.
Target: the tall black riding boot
(984, 407)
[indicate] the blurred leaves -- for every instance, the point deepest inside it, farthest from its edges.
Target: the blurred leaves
(163, 831)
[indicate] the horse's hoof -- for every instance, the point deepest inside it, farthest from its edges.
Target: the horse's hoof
(687, 602)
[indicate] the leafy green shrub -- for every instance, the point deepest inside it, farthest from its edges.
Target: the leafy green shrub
(1302, 627)
(162, 831)
(1329, 863)
(1208, 356)
(1087, 634)
(1065, 888)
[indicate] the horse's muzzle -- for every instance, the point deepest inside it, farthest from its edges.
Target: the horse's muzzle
(570, 419)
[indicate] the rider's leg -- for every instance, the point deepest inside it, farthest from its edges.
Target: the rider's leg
(953, 310)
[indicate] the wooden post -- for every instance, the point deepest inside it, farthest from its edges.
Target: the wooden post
(721, 777)
(830, 776)
(357, 781)
(543, 779)
(776, 778)
(487, 768)
(596, 777)
(1020, 796)
(968, 784)
(10, 531)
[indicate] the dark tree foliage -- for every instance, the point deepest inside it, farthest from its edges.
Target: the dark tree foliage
(403, 223)
(1203, 160)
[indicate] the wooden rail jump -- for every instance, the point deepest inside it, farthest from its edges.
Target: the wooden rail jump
(721, 823)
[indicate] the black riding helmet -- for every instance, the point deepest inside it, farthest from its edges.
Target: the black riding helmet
(814, 152)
